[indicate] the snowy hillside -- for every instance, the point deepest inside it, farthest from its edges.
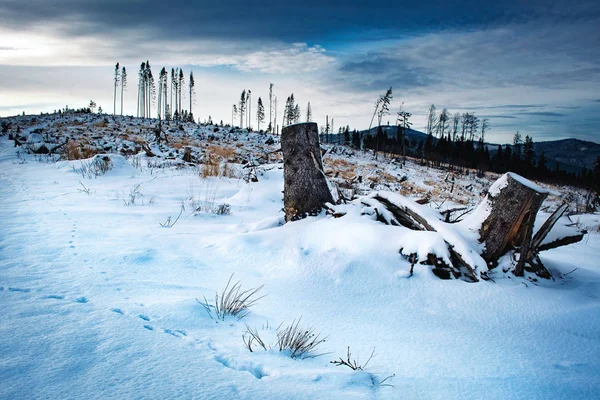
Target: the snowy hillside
(108, 250)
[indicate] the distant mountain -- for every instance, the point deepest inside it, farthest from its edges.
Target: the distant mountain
(390, 131)
(570, 154)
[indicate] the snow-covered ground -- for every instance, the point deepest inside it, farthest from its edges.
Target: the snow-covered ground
(100, 301)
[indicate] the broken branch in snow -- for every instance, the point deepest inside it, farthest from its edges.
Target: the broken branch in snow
(147, 150)
(352, 364)
(168, 223)
(448, 213)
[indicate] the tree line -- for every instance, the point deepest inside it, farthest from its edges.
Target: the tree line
(168, 99)
(453, 139)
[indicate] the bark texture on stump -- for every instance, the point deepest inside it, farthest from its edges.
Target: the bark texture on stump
(513, 204)
(305, 186)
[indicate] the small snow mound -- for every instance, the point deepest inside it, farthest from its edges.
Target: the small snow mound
(423, 243)
(35, 138)
(241, 365)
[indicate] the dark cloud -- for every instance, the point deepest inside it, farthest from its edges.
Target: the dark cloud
(543, 114)
(308, 20)
(376, 71)
(509, 106)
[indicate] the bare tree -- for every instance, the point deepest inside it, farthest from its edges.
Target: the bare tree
(123, 85)
(442, 121)
(141, 90)
(455, 123)
(260, 113)
(173, 83)
(242, 107)
(404, 125)
(271, 107)
(162, 98)
(180, 83)
(485, 126)
(275, 114)
(249, 106)
(191, 85)
(308, 113)
(384, 109)
(431, 118)
(297, 113)
(117, 80)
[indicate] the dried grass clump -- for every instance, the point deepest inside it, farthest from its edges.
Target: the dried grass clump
(226, 153)
(213, 166)
(232, 301)
(210, 166)
(75, 150)
(72, 151)
(299, 342)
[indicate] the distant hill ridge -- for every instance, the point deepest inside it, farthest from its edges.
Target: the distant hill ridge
(572, 154)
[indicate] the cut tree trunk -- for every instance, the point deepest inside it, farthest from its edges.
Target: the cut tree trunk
(513, 203)
(305, 186)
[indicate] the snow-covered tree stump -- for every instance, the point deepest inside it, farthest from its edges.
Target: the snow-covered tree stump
(511, 206)
(305, 189)
(503, 222)
(507, 218)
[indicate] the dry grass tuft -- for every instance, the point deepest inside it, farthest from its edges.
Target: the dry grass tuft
(225, 153)
(299, 342)
(77, 151)
(213, 166)
(232, 301)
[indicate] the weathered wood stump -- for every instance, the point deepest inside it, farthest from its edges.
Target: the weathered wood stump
(512, 205)
(305, 189)
(504, 222)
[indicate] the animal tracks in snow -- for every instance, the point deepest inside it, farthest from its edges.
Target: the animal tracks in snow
(178, 333)
(80, 299)
(22, 290)
(241, 365)
(55, 297)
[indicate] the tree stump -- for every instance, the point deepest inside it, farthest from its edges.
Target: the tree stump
(187, 154)
(511, 206)
(305, 189)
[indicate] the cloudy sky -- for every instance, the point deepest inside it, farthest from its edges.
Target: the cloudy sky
(532, 66)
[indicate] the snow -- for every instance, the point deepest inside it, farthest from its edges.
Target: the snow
(564, 227)
(99, 301)
(527, 182)
(423, 244)
(500, 184)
